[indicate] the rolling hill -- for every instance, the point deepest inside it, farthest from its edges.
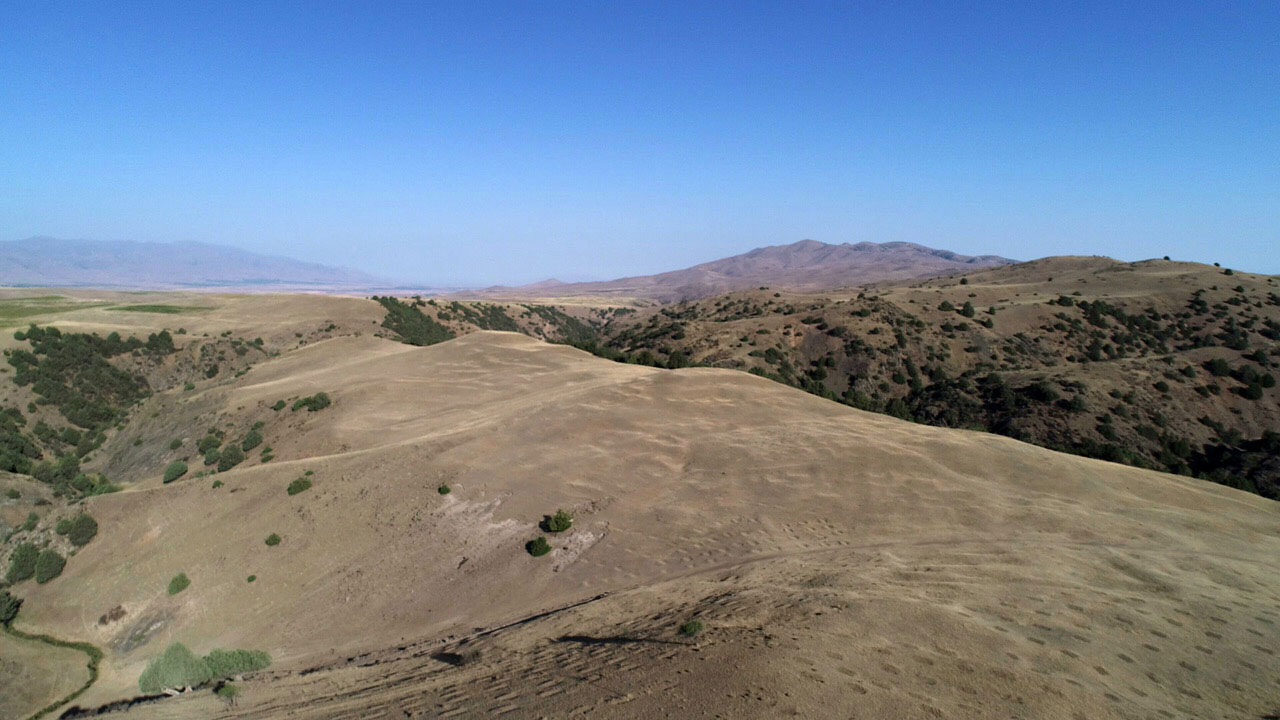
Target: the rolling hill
(1160, 364)
(839, 562)
(807, 265)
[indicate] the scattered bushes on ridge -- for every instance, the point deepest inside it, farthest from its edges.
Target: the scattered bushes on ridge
(319, 401)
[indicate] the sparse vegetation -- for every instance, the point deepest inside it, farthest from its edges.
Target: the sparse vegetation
(81, 530)
(174, 470)
(9, 606)
(690, 628)
(179, 583)
(229, 457)
(49, 565)
(559, 522)
(538, 546)
(22, 563)
(312, 403)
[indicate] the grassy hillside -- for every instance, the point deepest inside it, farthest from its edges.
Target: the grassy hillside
(358, 512)
(1164, 365)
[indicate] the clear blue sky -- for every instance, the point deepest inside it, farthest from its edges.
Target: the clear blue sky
(476, 142)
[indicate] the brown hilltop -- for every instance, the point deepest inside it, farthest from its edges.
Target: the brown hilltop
(842, 562)
(807, 265)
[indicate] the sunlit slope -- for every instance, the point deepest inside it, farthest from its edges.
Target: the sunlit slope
(841, 561)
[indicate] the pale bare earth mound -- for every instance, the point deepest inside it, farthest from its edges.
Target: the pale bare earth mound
(843, 564)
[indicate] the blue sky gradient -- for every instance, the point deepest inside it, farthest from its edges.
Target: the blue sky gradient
(475, 143)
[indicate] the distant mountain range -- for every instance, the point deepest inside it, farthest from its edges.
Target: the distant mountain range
(805, 265)
(44, 261)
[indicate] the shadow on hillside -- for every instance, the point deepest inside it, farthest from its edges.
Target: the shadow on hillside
(615, 640)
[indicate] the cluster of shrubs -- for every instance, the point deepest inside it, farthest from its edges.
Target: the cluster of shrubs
(28, 561)
(72, 372)
(178, 667)
(557, 523)
(312, 403)
(79, 530)
(411, 324)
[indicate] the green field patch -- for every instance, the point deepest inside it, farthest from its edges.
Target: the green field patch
(14, 310)
(163, 309)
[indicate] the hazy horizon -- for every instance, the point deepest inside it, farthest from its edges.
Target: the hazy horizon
(466, 145)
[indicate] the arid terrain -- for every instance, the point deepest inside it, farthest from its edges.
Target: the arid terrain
(807, 265)
(840, 562)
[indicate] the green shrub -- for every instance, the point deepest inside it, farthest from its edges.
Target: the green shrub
(217, 484)
(559, 522)
(178, 667)
(227, 663)
(8, 607)
(444, 489)
(278, 406)
(273, 540)
(175, 470)
(179, 583)
(12, 494)
(30, 523)
(299, 485)
(211, 457)
(691, 628)
(319, 401)
(251, 578)
(22, 563)
(252, 439)
(227, 691)
(207, 443)
(49, 566)
(189, 386)
(230, 457)
(82, 530)
(538, 547)
(175, 443)
(63, 527)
